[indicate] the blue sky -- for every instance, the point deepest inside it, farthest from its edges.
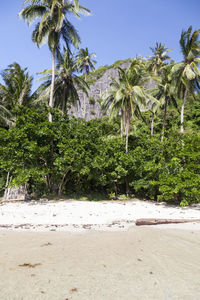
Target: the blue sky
(116, 30)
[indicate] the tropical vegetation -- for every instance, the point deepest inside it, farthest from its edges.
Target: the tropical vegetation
(147, 142)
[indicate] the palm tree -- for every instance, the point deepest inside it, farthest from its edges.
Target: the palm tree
(154, 66)
(110, 104)
(85, 63)
(159, 58)
(15, 91)
(53, 26)
(165, 93)
(128, 95)
(67, 83)
(154, 108)
(84, 60)
(186, 73)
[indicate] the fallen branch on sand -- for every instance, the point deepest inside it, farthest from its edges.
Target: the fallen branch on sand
(140, 222)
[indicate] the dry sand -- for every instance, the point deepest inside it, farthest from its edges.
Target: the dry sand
(125, 263)
(77, 216)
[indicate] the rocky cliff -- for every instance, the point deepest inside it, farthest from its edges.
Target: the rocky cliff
(99, 82)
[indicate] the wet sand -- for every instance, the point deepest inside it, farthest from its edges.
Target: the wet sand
(141, 263)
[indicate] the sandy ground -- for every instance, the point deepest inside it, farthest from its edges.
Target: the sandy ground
(141, 263)
(77, 216)
(93, 251)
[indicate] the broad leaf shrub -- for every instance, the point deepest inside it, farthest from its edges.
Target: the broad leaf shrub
(180, 176)
(72, 155)
(168, 171)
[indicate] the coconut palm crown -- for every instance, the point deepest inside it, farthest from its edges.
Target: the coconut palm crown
(186, 73)
(67, 83)
(84, 60)
(127, 95)
(85, 63)
(53, 26)
(165, 92)
(14, 91)
(159, 58)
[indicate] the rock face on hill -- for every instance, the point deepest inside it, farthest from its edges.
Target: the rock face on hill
(99, 82)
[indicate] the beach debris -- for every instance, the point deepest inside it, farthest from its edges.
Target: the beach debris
(16, 193)
(46, 244)
(87, 226)
(150, 221)
(73, 290)
(30, 265)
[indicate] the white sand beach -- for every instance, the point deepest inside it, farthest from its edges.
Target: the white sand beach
(73, 250)
(77, 216)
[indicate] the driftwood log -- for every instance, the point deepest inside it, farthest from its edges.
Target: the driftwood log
(140, 222)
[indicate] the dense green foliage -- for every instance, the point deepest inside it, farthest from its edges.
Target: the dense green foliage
(15, 90)
(148, 145)
(77, 156)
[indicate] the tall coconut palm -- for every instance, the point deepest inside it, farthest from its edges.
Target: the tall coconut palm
(85, 63)
(186, 73)
(154, 108)
(159, 58)
(67, 83)
(14, 91)
(53, 26)
(128, 95)
(110, 104)
(165, 92)
(155, 65)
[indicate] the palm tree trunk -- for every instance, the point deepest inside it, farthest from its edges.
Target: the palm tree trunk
(124, 121)
(164, 120)
(52, 84)
(126, 142)
(152, 124)
(6, 186)
(121, 128)
(127, 128)
(127, 134)
(84, 99)
(122, 124)
(183, 108)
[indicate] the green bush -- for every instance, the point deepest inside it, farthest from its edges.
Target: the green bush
(74, 156)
